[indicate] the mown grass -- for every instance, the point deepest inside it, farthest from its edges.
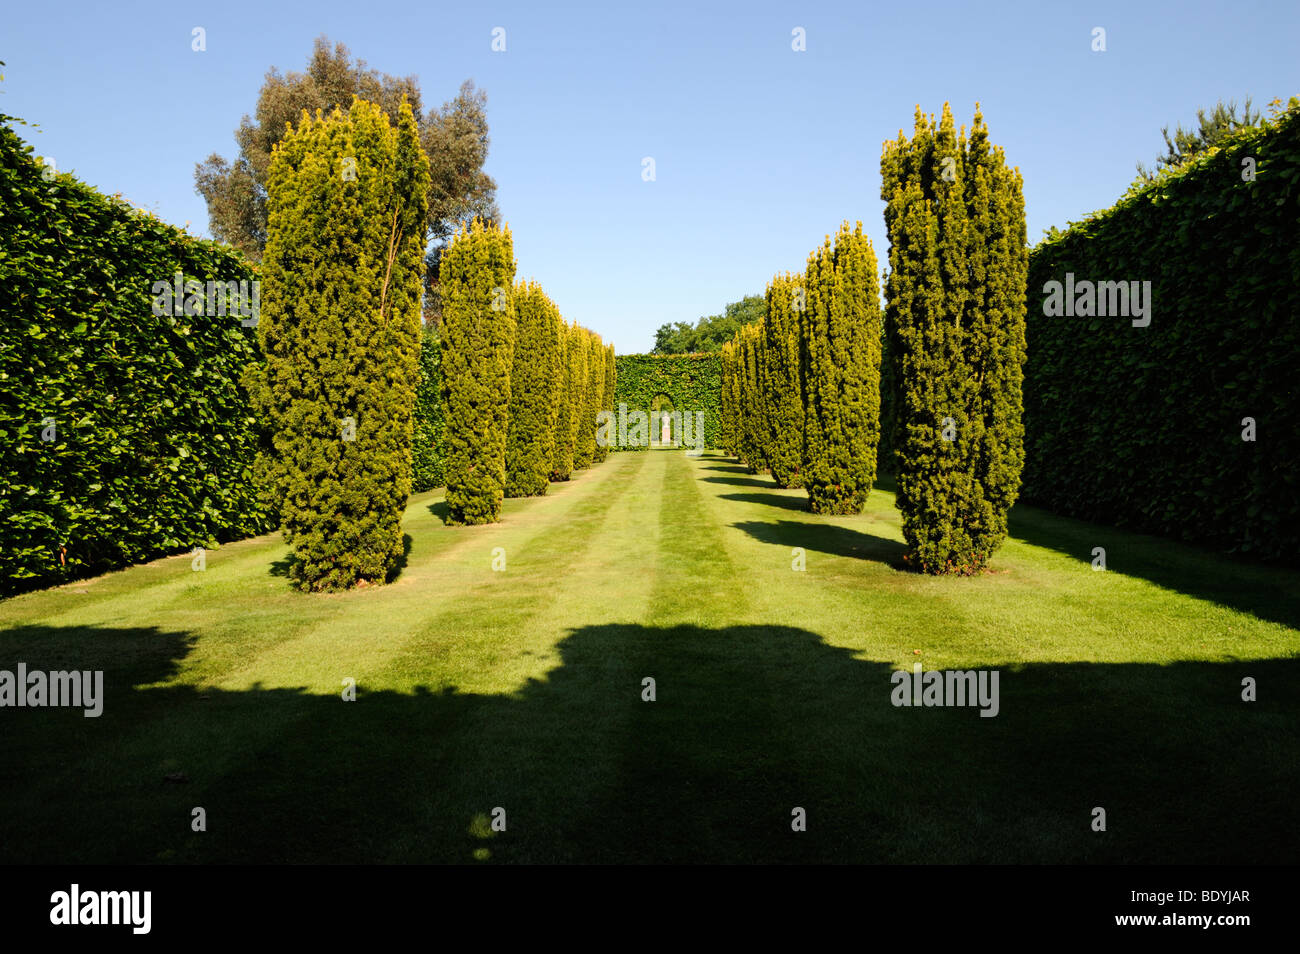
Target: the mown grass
(521, 689)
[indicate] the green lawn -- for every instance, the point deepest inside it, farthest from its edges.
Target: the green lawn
(522, 689)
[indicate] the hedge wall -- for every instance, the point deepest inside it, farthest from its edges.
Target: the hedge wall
(1143, 426)
(124, 435)
(692, 381)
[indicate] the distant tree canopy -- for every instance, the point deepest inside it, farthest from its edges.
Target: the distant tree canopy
(711, 331)
(1211, 127)
(453, 136)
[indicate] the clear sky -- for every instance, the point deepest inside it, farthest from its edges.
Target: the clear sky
(759, 150)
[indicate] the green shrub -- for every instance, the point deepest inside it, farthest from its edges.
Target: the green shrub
(150, 438)
(955, 319)
(582, 401)
(340, 330)
(534, 386)
(476, 276)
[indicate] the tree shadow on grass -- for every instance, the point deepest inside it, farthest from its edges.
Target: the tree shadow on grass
(823, 537)
(748, 723)
(741, 481)
(771, 500)
(1266, 592)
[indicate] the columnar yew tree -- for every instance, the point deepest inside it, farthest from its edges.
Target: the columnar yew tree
(782, 386)
(562, 464)
(530, 439)
(579, 358)
(592, 396)
(607, 404)
(956, 339)
(476, 276)
(752, 408)
(839, 336)
(727, 405)
(340, 331)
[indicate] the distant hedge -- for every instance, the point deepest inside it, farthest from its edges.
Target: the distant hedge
(124, 435)
(1143, 426)
(693, 382)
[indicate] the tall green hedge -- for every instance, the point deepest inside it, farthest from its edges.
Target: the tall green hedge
(1143, 426)
(956, 319)
(428, 443)
(534, 383)
(340, 332)
(692, 382)
(729, 403)
(150, 437)
(839, 340)
(476, 276)
(582, 400)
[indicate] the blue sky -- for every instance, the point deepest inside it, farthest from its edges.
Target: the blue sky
(759, 150)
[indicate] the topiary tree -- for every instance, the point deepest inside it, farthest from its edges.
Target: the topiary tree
(729, 402)
(840, 361)
(530, 440)
(340, 331)
(478, 335)
(428, 448)
(562, 463)
(782, 384)
(956, 339)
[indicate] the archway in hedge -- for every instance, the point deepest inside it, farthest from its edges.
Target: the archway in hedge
(684, 383)
(665, 421)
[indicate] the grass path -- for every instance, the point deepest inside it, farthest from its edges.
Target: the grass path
(521, 689)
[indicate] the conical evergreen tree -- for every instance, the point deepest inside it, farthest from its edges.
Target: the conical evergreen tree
(840, 359)
(476, 275)
(340, 331)
(579, 359)
(562, 464)
(752, 406)
(955, 322)
(783, 387)
(530, 440)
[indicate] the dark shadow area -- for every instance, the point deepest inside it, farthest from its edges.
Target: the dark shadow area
(741, 481)
(728, 468)
(440, 510)
(1266, 592)
(771, 500)
(825, 538)
(749, 722)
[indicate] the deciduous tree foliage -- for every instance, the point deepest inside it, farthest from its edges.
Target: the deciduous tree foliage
(839, 335)
(956, 337)
(535, 383)
(478, 335)
(783, 386)
(340, 331)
